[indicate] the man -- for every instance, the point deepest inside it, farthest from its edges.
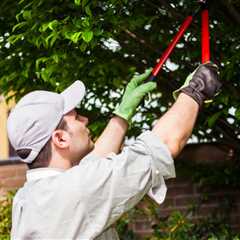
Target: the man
(77, 190)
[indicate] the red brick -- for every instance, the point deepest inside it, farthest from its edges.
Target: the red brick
(180, 190)
(7, 171)
(213, 198)
(13, 183)
(165, 212)
(168, 202)
(207, 210)
(142, 228)
(3, 192)
(237, 208)
(235, 217)
(236, 228)
(215, 190)
(186, 200)
(142, 225)
(171, 182)
(21, 170)
(235, 221)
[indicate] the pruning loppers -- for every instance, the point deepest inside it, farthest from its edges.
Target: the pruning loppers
(203, 9)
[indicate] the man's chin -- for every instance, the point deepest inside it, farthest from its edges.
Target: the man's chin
(90, 147)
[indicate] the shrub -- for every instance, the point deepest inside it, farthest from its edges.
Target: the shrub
(175, 227)
(5, 215)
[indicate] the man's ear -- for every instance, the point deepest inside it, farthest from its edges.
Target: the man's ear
(60, 138)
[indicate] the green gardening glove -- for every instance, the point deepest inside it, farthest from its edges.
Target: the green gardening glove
(134, 93)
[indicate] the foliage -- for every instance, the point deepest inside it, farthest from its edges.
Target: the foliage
(178, 227)
(5, 215)
(123, 228)
(52, 43)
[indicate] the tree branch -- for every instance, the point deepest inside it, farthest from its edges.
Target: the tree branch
(233, 13)
(139, 39)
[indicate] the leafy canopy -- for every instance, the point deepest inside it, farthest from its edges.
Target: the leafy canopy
(50, 44)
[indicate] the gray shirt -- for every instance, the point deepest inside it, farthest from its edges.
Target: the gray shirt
(83, 202)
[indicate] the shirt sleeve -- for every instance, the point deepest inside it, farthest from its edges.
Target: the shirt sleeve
(110, 186)
(162, 166)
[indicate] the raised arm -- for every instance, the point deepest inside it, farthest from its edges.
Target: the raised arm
(175, 126)
(113, 135)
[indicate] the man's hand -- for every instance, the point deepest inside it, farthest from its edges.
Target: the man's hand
(201, 85)
(134, 93)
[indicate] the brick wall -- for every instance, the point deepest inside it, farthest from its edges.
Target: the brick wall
(12, 176)
(181, 194)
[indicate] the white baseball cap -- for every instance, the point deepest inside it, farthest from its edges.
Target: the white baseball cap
(35, 117)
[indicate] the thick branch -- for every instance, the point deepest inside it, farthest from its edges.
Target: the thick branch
(138, 39)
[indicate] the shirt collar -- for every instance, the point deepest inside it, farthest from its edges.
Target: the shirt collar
(40, 173)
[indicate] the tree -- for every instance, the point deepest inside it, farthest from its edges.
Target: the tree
(52, 43)
(49, 44)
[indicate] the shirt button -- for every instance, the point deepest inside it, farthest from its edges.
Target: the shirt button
(157, 172)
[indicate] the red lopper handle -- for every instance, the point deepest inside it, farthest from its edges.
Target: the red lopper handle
(173, 43)
(205, 37)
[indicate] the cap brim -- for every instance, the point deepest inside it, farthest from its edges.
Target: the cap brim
(73, 95)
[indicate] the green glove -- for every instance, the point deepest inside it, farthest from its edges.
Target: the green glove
(134, 93)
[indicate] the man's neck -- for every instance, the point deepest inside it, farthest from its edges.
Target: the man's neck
(60, 163)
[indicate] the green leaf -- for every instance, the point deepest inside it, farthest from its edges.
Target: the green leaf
(19, 25)
(53, 24)
(211, 120)
(224, 99)
(77, 2)
(56, 58)
(75, 36)
(237, 114)
(14, 38)
(18, 16)
(67, 34)
(37, 41)
(84, 3)
(27, 15)
(34, 26)
(39, 61)
(25, 73)
(77, 23)
(87, 36)
(88, 11)
(53, 36)
(83, 47)
(45, 75)
(43, 27)
(98, 32)
(53, 40)
(86, 23)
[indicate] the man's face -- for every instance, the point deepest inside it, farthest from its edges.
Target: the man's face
(80, 142)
